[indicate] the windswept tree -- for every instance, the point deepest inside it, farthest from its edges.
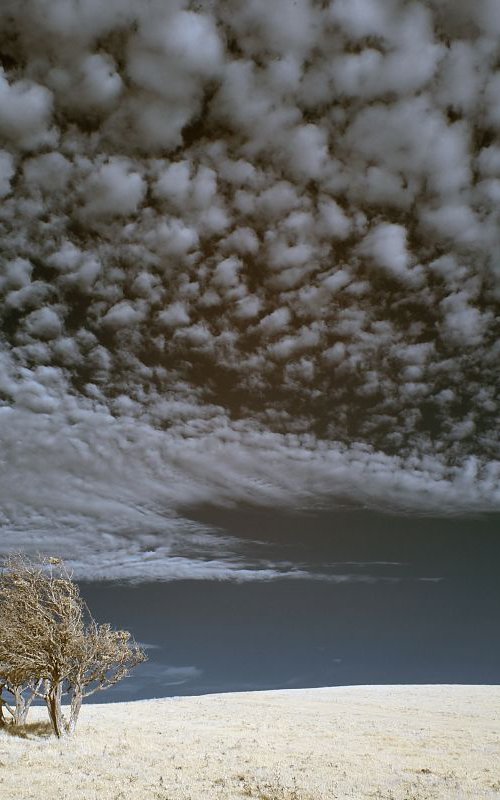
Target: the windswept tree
(49, 641)
(41, 618)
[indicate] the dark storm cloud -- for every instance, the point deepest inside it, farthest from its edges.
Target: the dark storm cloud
(249, 254)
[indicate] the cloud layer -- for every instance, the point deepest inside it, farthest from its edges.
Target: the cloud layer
(250, 252)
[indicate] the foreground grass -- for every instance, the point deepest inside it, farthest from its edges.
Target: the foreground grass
(384, 743)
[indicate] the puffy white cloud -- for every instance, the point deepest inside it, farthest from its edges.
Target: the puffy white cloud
(176, 314)
(276, 321)
(44, 323)
(335, 354)
(386, 246)
(458, 223)
(283, 256)
(278, 199)
(16, 274)
(463, 324)
(192, 39)
(276, 27)
(333, 221)
(91, 86)
(248, 307)
(307, 151)
(156, 126)
(122, 315)
(100, 85)
(226, 273)
(413, 138)
(337, 280)
(409, 63)
(172, 237)
(49, 172)
(306, 338)
(243, 241)
(174, 183)
(459, 78)
(363, 18)
(28, 296)
(66, 349)
(25, 113)
(196, 335)
(114, 189)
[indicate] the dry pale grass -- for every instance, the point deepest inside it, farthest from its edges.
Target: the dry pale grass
(387, 743)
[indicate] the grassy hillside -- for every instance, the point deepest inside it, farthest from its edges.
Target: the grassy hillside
(389, 743)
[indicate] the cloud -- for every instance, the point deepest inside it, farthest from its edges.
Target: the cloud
(44, 323)
(25, 113)
(249, 254)
(386, 246)
(7, 172)
(154, 675)
(113, 189)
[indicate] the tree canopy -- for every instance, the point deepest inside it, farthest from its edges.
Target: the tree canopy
(51, 646)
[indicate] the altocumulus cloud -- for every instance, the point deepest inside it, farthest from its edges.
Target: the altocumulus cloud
(249, 254)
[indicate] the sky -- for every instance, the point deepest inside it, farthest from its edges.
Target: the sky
(387, 600)
(249, 265)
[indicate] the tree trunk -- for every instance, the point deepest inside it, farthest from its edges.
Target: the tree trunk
(4, 705)
(53, 700)
(22, 706)
(76, 704)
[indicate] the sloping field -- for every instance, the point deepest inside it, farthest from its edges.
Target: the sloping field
(389, 743)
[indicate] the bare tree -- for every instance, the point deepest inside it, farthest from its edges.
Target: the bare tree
(49, 641)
